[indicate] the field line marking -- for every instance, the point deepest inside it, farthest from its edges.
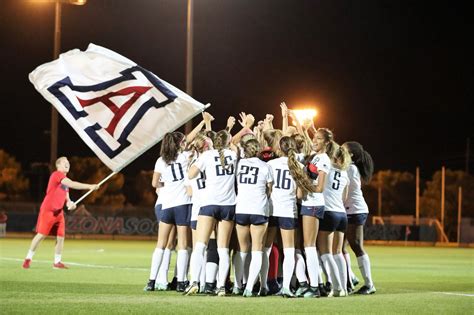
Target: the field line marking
(452, 293)
(78, 264)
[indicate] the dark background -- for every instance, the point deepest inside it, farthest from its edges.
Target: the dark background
(396, 76)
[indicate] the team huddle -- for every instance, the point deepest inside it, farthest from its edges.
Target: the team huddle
(283, 203)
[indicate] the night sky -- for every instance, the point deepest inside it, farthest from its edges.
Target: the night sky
(396, 76)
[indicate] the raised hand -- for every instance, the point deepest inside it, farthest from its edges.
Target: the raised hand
(284, 109)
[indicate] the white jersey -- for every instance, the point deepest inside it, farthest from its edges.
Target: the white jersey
(355, 202)
(197, 185)
(220, 181)
(173, 193)
(323, 163)
(253, 175)
(283, 195)
(333, 191)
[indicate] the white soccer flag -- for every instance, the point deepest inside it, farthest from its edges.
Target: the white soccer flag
(118, 108)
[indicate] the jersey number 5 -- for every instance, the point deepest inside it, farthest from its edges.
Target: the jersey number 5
(337, 182)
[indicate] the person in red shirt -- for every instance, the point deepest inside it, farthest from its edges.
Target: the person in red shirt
(51, 216)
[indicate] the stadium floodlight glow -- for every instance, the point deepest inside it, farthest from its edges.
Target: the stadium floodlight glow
(304, 114)
(74, 2)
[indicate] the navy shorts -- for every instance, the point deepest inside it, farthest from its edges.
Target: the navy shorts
(317, 211)
(220, 213)
(180, 215)
(247, 219)
(333, 221)
(283, 223)
(158, 212)
(194, 224)
(357, 219)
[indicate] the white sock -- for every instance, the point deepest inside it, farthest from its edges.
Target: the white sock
(238, 260)
(211, 272)
(30, 254)
(197, 259)
(342, 268)
(326, 269)
(300, 267)
(57, 258)
(164, 267)
(265, 266)
(182, 264)
(332, 270)
(224, 264)
(288, 266)
(254, 269)
(364, 266)
(351, 274)
(156, 259)
(190, 251)
(202, 278)
(313, 265)
(247, 261)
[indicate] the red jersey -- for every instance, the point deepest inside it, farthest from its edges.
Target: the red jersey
(56, 192)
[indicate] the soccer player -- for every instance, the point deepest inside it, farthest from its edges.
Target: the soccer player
(357, 211)
(254, 182)
(289, 181)
(169, 175)
(51, 216)
(312, 209)
(218, 206)
(334, 223)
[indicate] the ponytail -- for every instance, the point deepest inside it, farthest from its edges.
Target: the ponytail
(221, 142)
(362, 160)
(170, 146)
(288, 147)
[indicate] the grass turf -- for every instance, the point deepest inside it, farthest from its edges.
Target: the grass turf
(108, 277)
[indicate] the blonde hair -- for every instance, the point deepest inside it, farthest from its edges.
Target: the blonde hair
(198, 146)
(289, 148)
(59, 159)
(251, 148)
(303, 145)
(341, 158)
(221, 142)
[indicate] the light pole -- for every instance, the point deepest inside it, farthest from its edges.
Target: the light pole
(189, 59)
(57, 48)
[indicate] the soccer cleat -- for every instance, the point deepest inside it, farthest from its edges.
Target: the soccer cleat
(193, 288)
(161, 287)
(340, 293)
(221, 291)
(322, 290)
(366, 290)
(150, 286)
(173, 284)
(355, 281)
(26, 263)
(209, 288)
(273, 287)
(248, 293)
(237, 291)
(312, 292)
(303, 287)
(286, 293)
(181, 286)
(60, 265)
(263, 292)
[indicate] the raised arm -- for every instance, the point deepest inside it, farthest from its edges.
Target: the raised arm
(284, 115)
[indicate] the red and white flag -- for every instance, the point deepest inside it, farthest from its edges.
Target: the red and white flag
(118, 108)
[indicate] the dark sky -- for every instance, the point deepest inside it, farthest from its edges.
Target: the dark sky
(396, 76)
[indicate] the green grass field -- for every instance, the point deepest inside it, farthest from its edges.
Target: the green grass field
(108, 277)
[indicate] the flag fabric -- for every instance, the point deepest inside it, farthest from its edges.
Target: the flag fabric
(118, 108)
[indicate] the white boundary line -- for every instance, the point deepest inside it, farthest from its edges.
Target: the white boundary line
(78, 264)
(452, 293)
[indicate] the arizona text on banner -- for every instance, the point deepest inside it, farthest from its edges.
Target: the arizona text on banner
(118, 108)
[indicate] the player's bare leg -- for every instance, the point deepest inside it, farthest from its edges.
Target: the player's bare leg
(34, 245)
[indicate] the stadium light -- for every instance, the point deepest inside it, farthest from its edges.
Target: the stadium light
(305, 114)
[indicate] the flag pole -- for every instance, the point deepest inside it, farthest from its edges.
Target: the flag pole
(90, 191)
